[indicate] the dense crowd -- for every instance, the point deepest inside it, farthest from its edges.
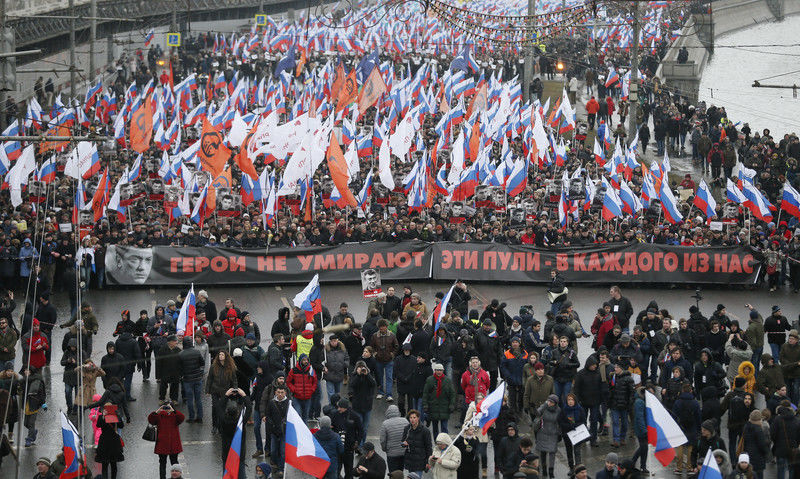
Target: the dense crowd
(709, 372)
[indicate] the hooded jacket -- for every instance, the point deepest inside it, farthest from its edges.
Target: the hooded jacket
(547, 437)
(750, 377)
(128, 347)
(687, 413)
(217, 340)
(508, 453)
(333, 446)
(112, 363)
(736, 357)
(783, 432)
(755, 332)
(191, 362)
(588, 384)
(302, 380)
(391, 432)
(448, 460)
(337, 361)
(770, 378)
(789, 358)
(708, 373)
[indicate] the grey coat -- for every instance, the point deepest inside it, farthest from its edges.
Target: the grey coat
(391, 432)
(737, 356)
(547, 437)
(337, 362)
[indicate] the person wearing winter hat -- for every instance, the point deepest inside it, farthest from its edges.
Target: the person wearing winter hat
(627, 470)
(511, 369)
(176, 471)
(263, 470)
(580, 472)
(743, 469)
(43, 469)
(709, 439)
(332, 443)
(755, 443)
(609, 471)
(789, 358)
(302, 382)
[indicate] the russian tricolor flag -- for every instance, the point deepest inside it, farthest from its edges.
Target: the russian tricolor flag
(47, 172)
(757, 203)
(303, 452)
(662, 431)
(186, 317)
(704, 201)
(235, 452)
(710, 468)
(309, 299)
(790, 202)
(612, 205)
(613, 77)
(73, 450)
(669, 205)
(489, 409)
(149, 37)
(441, 309)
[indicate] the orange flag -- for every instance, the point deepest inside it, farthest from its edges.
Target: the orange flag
(142, 127)
(301, 63)
(349, 91)
(374, 87)
(48, 145)
(213, 153)
(100, 198)
(475, 140)
(338, 169)
(337, 82)
(243, 158)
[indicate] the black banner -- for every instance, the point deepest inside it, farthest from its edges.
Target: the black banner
(163, 265)
(618, 263)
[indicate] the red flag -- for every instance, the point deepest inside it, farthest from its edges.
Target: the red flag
(338, 169)
(213, 153)
(374, 87)
(100, 198)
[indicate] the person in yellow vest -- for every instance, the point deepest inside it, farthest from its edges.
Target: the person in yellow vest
(301, 344)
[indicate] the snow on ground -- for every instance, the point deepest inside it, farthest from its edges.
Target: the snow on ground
(728, 77)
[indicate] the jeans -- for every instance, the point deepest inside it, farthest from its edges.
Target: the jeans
(69, 395)
(641, 452)
(276, 451)
(562, 389)
(194, 398)
(439, 426)
(257, 430)
(595, 420)
(776, 352)
(619, 424)
(365, 415)
(385, 371)
(303, 407)
(783, 468)
(316, 403)
(733, 439)
(756, 360)
(333, 388)
(128, 382)
(556, 307)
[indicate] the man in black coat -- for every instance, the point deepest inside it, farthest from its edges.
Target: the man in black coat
(192, 365)
(128, 347)
(620, 403)
(167, 371)
(418, 444)
(371, 465)
(459, 300)
(487, 343)
(113, 363)
(48, 317)
(275, 420)
(621, 307)
(346, 421)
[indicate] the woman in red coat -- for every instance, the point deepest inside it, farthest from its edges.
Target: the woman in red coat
(610, 106)
(168, 440)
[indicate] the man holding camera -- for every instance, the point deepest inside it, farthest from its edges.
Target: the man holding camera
(347, 423)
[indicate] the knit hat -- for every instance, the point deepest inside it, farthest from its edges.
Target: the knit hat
(324, 421)
(237, 353)
(709, 425)
(755, 416)
(538, 366)
(368, 446)
(250, 336)
(579, 468)
(612, 457)
(176, 467)
(43, 460)
(720, 307)
(553, 398)
(744, 457)
(625, 338)
(309, 327)
(626, 464)
(776, 308)
(438, 367)
(739, 382)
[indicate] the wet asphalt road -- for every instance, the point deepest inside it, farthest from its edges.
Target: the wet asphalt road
(201, 456)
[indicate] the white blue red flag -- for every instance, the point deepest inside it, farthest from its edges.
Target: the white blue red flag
(662, 431)
(303, 452)
(309, 299)
(710, 468)
(73, 450)
(441, 309)
(704, 201)
(489, 409)
(186, 317)
(235, 452)
(790, 201)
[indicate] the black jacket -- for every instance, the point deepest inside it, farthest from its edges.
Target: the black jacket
(404, 367)
(784, 432)
(756, 445)
(167, 368)
(564, 364)
(128, 347)
(419, 449)
(622, 392)
(488, 349)
(112, 364)
(276, 416)
(362, 389)
(375, 465)
(191, 362)
(589, 385)
(349, 424)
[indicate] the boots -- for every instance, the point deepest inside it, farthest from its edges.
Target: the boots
(550, 472)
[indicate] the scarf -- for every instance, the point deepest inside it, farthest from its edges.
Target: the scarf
(438, 384)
